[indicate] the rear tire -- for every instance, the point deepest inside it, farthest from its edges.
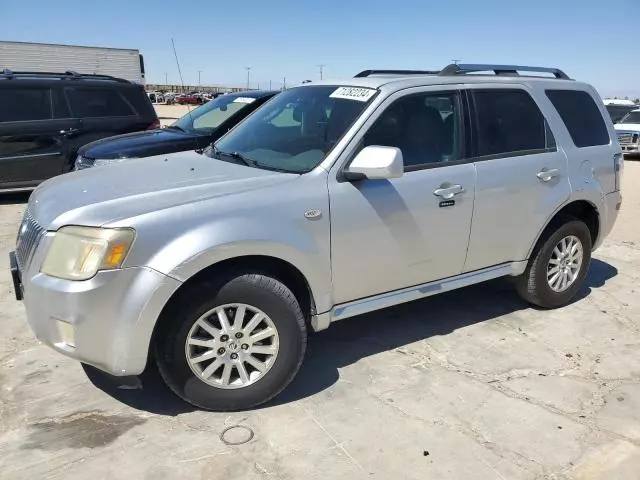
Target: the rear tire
(543, 281)
(244, 386)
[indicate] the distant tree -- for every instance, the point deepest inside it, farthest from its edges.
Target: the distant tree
(626, 98)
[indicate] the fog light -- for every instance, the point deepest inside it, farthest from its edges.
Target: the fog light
(66, 333)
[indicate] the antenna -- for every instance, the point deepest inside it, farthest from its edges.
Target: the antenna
(175, 53)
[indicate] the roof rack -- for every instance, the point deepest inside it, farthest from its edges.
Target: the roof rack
(508, 70)
(367, 73)
(69, 74)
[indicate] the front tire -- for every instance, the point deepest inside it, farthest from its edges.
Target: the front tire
(557, 269)
(234, 345)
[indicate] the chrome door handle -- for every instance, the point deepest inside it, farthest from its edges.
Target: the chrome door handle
(546, 175)
(69, 131)
(447, 193)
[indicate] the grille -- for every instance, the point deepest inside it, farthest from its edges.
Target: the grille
(29, 236)
(627, 138)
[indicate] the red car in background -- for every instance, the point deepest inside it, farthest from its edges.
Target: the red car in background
(189, 99)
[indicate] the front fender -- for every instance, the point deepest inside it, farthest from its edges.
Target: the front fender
(304, 245)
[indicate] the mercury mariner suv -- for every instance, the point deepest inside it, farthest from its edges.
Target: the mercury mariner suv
(330, 201)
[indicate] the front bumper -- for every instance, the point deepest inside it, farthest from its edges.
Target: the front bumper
(106, 321)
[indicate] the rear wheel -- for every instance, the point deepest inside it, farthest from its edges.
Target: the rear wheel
(558, 267)
(233, 346)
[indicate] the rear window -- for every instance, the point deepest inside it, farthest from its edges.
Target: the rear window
(25, 104)
(98, 102)
(509, 122)
(581, 116)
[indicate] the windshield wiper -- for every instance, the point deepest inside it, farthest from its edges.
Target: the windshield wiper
(176, 127)
(236, 156)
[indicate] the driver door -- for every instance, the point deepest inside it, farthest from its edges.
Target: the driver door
(391, 234)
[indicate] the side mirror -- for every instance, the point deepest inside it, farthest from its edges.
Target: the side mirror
(376, 163)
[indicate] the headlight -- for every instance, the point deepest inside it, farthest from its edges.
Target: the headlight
(101, 162)
(78, 253)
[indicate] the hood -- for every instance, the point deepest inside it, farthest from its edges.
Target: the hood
(101, 195)
(144, 144)
(628, 127)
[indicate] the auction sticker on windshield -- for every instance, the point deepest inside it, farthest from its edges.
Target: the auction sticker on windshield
(353, 93)
(244, 100)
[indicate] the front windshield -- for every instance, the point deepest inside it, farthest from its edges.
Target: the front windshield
(633, 117)
(206, 118)
(296, 130)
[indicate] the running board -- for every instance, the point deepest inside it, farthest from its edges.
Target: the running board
(369, 304)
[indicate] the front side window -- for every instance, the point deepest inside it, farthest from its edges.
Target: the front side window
(509, 122)
(297, 129)
(25, 104)
(97, 102)
(206, 118)
(425, 127)
(581, 116)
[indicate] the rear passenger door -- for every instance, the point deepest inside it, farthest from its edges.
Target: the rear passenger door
(521, 178)
(34, 126)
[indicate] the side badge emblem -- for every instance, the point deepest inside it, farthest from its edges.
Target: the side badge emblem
(313, 213)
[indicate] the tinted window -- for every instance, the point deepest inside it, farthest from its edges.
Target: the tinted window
(581, 116)
(509, 121)
(17, 104)
(424, 127)
(209, 116)
(633, 117)
(97, 102)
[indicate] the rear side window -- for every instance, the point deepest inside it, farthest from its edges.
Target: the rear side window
(97, 102)
(139, 100)
(510, 122)
(581, 116)
(25, 104)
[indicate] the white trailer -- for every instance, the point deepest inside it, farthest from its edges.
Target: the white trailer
(44, 57)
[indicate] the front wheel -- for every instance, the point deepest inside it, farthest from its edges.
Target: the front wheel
(234, 346)
(558, 267)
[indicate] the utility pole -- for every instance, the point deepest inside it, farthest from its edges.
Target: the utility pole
(199, 72)
(284, 83)
(321, 67)
(248, 76)
(455, 62)
(166, 78)
(269, 84)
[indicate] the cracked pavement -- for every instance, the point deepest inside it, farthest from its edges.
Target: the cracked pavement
(472, 384)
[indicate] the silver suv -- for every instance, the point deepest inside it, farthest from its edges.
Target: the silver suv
(332, 200)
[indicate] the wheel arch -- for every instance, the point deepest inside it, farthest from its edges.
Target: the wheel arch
(582, 209)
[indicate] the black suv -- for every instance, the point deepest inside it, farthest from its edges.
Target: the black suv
(46, 117)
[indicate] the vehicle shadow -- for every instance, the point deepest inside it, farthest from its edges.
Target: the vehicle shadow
(349, 341)
(14, 198)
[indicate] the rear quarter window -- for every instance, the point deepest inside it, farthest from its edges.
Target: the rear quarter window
(98, 102)
(581, 116)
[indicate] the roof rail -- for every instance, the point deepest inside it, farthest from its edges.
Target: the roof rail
(367, 73)
(69, 74)
(459, 69)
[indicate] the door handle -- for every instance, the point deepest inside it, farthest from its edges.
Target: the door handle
(69, 131)
(447, 193)
(545, 175)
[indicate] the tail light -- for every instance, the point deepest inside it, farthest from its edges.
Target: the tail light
(155, 124)
(618, 161)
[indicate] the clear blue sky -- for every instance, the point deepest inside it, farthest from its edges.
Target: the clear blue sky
(592, 40)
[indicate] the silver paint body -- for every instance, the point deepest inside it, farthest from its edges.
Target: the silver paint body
(366, 245)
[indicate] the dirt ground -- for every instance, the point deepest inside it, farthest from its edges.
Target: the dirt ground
(472, 384)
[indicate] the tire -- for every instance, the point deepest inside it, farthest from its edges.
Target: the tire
(533, 285)
(258, 293)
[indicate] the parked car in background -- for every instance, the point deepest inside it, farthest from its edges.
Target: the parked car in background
(195, 130)
(618, 108)
(628, 131)
(46, 117)
(330, 201)
(189, 99)
(156, 97)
